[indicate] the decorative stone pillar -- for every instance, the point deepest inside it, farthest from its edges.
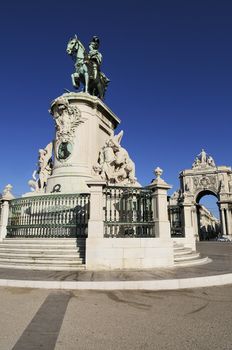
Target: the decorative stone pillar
(160, 205)
(94, 242)
(189, 232)
(83, 124)
(96, 224)
(6, 197)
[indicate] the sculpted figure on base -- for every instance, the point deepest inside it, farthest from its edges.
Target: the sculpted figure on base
(114, 164)
(203, 160)
(87, 67)
(44, 170)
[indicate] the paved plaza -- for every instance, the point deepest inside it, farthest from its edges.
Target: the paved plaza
(187, 319)
(198, 318)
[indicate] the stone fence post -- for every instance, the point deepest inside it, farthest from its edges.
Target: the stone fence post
(6, 198)
(189, 225)
(96, 224)
(160, 205)
(94, 242)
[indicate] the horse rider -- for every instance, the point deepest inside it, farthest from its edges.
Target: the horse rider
(95, 57)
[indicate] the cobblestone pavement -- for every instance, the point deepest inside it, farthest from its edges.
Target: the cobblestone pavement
(164, 320)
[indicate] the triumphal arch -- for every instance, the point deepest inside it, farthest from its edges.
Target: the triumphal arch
(204, 178)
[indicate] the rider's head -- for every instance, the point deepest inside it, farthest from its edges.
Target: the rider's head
(95, 42)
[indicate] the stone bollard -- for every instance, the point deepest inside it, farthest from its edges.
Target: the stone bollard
(6, 197)
(160, 205)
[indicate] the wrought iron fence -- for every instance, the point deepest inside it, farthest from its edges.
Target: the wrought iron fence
(174, 214)
(128, 212)
(49, 216)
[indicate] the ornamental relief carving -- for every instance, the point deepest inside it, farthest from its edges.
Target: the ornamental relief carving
(209, 182)
(187, 184)
(67, 117)
(213, 180)
(196, 181)
(205, 181)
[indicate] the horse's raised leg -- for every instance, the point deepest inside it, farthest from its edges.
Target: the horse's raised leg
(75, 81)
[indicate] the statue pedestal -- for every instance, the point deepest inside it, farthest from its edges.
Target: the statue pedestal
(77, 144)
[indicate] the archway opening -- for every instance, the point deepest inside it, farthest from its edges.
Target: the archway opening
(208, 216)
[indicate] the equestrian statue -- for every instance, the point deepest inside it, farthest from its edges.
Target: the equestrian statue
(87, 67)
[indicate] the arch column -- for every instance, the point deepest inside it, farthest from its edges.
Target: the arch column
(228, 221)
(195, 221)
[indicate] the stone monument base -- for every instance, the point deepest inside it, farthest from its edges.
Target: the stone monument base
(83, 124)
(128, 253)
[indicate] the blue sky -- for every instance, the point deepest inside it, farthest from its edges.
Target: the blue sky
(170, 66)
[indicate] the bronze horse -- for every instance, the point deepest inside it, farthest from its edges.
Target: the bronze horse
(95, 82)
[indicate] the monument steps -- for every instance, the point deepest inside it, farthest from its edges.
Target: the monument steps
(46, 241)
(187, 256)
(39, 260)
(184, 256)
(47, 267)
(183, 251)
(178, 246)
(53, 251)
(40, 255)
(43, 253)
(198, 261)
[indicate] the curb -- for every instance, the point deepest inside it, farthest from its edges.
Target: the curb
(170, 284)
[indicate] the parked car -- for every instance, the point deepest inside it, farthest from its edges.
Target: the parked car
(224, 239)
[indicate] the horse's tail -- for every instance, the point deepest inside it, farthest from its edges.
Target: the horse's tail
(104, 79)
